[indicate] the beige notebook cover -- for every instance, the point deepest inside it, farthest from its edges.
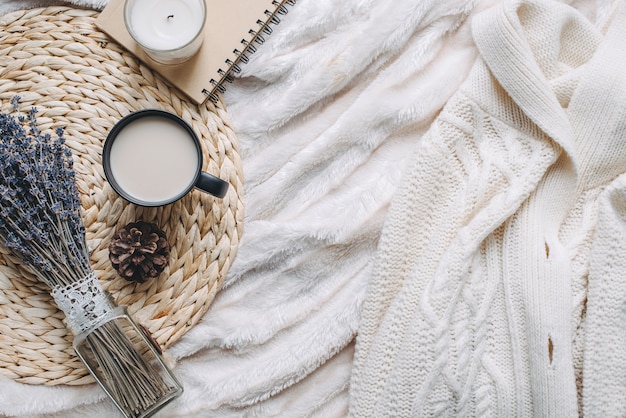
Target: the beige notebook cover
(233, 30)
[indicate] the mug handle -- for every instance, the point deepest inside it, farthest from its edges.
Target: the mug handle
(211, 184)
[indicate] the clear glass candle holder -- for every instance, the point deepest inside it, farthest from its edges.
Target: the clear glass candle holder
(168, 31)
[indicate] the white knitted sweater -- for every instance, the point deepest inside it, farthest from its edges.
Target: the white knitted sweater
(500, 283)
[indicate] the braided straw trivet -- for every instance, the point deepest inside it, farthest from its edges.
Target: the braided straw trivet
(56, 60)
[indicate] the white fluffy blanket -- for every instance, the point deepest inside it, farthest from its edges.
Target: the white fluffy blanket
(327, 113)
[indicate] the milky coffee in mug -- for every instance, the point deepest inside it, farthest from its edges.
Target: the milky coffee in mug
(152, 158)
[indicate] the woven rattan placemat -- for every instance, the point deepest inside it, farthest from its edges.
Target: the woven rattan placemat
(56, 60)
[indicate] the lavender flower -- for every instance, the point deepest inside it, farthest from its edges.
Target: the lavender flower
(40, 222)
(40, 218)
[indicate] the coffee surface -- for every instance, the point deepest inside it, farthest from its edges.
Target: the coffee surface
(154, 159)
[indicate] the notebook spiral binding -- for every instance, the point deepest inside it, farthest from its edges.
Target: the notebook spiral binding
(248, 47)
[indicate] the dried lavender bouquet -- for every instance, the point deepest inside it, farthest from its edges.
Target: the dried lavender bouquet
(40, 222)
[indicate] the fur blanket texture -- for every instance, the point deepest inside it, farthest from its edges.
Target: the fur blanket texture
(327, 113)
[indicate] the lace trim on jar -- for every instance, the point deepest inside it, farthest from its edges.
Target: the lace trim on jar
(84, 303)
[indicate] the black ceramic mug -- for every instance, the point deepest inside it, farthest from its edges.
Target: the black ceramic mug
(152, 157)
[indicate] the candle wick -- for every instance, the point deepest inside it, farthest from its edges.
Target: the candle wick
(170, 17)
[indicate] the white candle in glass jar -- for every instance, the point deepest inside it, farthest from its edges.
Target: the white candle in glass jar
(169, 31)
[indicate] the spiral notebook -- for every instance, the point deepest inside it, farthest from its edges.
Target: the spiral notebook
(233, 30)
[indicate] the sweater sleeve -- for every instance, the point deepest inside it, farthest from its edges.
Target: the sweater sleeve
(435, 315)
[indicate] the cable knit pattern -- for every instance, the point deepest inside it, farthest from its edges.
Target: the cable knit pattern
(477, 304)
(604, 371)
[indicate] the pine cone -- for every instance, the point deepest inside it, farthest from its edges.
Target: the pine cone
(139, 251)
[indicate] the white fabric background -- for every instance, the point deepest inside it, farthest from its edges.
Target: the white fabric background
(326, 113)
